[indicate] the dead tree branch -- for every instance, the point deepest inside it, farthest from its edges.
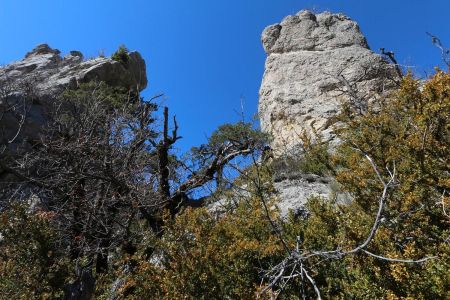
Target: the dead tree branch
(294, 265)
(445, 52)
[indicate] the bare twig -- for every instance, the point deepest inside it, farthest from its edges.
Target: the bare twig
(445, 52)
(297, 258)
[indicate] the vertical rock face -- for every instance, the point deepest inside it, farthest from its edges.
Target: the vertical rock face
(315, 62)
(312, 59)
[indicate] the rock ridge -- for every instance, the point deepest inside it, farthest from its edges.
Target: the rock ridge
(307, 31)
(52, 73)
(28, 86)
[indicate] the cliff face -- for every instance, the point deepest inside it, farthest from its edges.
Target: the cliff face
(315, 62)
(27, 86)
(309, 59)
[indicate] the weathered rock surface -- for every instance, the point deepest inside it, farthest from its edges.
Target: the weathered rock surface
(313, 61)
(49, 72)
(295, 189)
(27, 86)
(308, 56)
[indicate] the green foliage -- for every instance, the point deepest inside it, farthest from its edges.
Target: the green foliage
(205, 257)
(410, 131)
(121, 55)
(239, 133)
(33, 264)
(229, 141)
(315, 158)
(216, 260)
(114, 96)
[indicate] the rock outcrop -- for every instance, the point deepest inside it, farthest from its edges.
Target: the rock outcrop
(311, 61)
(27, 86)
(314, 63)
(295, 189)
(49, 72)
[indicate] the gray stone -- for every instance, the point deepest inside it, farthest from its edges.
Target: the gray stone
(302, 88)
(50, 73)
(312, 59)
(27, 86)
(42, 49)
(73, 57)
(295, 189)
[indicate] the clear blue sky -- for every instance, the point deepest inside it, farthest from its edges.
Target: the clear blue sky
(206, 55)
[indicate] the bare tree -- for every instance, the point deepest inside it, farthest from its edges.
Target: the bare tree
(102, 166)
(91, 169)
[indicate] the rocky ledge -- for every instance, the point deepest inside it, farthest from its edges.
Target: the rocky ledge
(49, 72)
(27, 86)
(315, 62)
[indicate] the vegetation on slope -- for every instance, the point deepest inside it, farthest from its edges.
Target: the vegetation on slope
(115, 219)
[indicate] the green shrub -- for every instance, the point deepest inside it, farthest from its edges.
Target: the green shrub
(314, 159)
(121, 55)
(113, 96)
(33, 265)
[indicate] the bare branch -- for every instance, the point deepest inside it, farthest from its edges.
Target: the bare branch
(445, 53)
(399, 260)
(297, 257)
(390, 56)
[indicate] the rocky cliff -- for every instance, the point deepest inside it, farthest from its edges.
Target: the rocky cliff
(315, 62)
(27, 86)
(312, 60)
(50, 72)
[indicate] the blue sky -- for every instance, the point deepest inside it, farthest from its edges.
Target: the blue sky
(206, 55)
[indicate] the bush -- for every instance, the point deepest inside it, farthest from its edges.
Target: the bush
(314, 158)
(121, 55)
(408, 133)
(202, 257)
(33, 264)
